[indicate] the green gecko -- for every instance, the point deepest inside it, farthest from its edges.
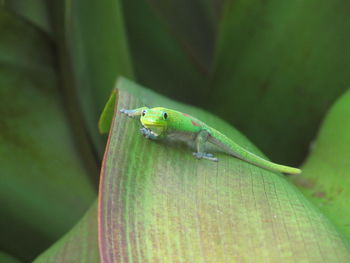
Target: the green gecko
(161, 122)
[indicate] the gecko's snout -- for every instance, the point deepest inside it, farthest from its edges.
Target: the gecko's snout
(150, 122)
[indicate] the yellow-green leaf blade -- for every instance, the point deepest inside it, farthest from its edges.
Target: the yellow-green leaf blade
(159, 204)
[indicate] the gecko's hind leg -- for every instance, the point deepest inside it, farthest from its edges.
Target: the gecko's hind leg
(201, 139)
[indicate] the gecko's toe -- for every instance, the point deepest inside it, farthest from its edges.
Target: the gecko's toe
(199, 155)
(148, 134)
(207, 156)
(126, 112)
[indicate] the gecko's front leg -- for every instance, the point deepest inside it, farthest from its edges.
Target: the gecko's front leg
(134, 112)
(147, 133)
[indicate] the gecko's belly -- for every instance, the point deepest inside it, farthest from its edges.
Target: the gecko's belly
(182, 136)
(186, 137)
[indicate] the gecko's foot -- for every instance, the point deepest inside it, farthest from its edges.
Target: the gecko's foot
(127, 112)
(147, 133)
(207, 156)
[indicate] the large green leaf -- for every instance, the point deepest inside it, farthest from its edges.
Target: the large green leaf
(159, 204)
(93, 52)
(44, 188)
(280, 65)
(326, 175)
(78, 245)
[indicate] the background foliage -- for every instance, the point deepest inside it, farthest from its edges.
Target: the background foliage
(270, 68)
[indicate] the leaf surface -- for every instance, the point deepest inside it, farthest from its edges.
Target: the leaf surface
(326, 176)
(159, 204)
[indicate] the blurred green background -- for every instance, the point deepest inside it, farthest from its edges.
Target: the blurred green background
(270, 68)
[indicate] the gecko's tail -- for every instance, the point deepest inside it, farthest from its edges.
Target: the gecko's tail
(283, 168)
(263, 163)
(243, 154)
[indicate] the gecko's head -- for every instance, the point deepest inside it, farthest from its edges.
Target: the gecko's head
(155, 119)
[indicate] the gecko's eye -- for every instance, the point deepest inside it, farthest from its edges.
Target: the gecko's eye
(165, 115)
(143, 112)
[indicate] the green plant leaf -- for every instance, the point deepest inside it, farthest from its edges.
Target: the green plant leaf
(161, 60)
(93, 52)
(194, 31)
(326, 177)
(159, 204)
(106, 117)
(79, 245)
(280, 65)
(44, 188)
(6, 258)
(35, 11)
(213, 9)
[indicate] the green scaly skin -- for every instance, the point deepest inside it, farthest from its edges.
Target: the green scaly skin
(161, 122)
